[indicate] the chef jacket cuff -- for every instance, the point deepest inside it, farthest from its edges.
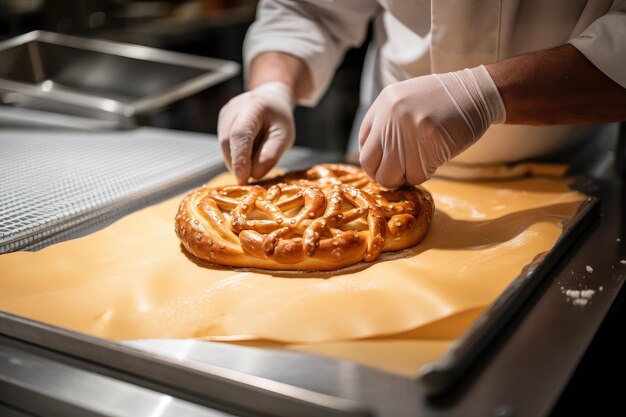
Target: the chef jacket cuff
(313, 50)
(604, 44)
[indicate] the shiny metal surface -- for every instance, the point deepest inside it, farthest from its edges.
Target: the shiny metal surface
(521, 374)
(100, 79)
(319, 373)
(54, 181)
(44, 387)
(206, 383)
(441, 376)
(19, 117)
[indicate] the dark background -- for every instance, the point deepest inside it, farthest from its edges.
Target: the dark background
(216, 28)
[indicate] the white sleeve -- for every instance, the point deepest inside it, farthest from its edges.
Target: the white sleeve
(316, 31)
(604, 43)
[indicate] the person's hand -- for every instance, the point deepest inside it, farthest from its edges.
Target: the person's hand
(255, 128)
(414, 126)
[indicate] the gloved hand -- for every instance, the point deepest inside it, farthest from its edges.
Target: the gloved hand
(414, 126)
(255, 128)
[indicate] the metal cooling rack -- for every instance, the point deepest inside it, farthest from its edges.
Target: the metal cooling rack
(53, 182)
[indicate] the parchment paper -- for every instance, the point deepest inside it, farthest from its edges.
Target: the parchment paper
(133, 280)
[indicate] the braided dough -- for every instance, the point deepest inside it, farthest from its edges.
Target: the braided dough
(325, 218)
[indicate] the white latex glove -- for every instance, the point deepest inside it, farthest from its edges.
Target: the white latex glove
(255, 128)
(414, 126)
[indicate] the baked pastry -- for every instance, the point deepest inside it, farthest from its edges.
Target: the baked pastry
(324, 218)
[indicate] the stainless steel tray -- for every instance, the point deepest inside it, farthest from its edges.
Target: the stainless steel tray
(518, 375)
(443, 375)
(275, 383)
(100, 79)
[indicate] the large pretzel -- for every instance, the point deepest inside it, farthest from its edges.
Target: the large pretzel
(325, 218)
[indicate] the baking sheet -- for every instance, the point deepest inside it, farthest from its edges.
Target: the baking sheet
(132, 281)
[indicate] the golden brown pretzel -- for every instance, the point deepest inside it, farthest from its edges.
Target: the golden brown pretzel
(325, 218)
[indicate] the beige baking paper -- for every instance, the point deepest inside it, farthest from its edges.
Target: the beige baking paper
(402, 353)
(466, 172)
(132, 280)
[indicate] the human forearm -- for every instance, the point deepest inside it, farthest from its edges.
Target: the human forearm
(285, 68)
(416, 125)
(557, 86)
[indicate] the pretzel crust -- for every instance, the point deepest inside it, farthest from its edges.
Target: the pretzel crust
(325, 218)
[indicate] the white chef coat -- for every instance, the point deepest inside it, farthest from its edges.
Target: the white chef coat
(419, 37)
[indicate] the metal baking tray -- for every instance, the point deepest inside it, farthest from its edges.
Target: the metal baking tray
(439, 377)
(100, 79)
(201, 378)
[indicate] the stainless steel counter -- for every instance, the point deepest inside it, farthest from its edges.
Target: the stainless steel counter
(49, 371)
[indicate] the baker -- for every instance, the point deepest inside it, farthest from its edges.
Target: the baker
(479, 80)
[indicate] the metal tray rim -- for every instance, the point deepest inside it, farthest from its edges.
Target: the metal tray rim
(220, 71)
(439, 377)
